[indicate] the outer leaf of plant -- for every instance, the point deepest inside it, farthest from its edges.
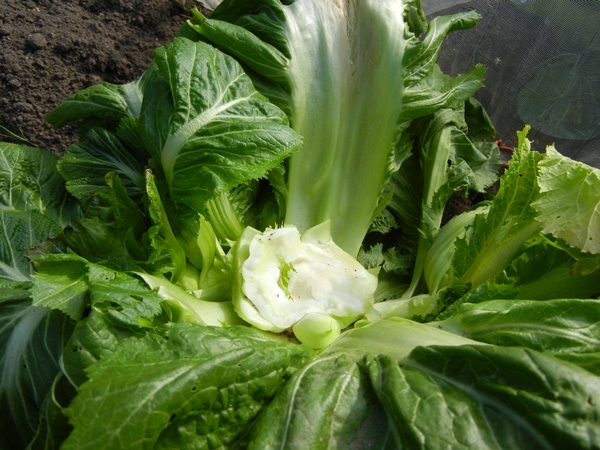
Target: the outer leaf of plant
(553, 326)
(196, 386)
(33, 206)
(19, 232)
(487, 397)
(327, 404)
(29, 182)
(31, 343)
(92, 338)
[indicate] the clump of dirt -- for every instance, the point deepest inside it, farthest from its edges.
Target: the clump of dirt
(51, 49)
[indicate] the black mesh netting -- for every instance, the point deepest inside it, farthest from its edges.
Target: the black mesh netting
(543, 59)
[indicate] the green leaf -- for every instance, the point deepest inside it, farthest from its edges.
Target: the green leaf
(456, 295)
(487, 397)
(19, 232)
(32, 339)
(120, 307)
(29, 182)
(34, 207)
(545, 271)
(475, 165)
(228, 212)
(112, 225)
(93, 338)
(105, 101)
(555, 326)
(14, 290)
(207, 125)
(441, 248)
(395, 337)
(498, 237)
(167, 256)
(328, 404)
(71, 284)
(125, 300)
(449, 162)
(197, 387)
(479, 124)
(60, 282)
(587, 361)
(185, 307)
(85, 166)
(569, 203)
(249, 44)
(54, 426)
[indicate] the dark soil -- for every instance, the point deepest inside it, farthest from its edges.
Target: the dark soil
(51, 49)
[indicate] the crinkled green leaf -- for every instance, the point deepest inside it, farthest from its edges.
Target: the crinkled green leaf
(453, 297)
(207, 125)
(371, 257)
(71, 284)
(197, 387)
(569, 203)
(498, 237)
(34, 206)
(478, 396)
(93, 338)
(475, 165)
(125, 300)
(120, 307)
(111, 225)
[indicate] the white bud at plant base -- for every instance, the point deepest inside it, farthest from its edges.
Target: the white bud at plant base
(285, 277)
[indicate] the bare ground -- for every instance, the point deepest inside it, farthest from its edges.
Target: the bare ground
(51, 49)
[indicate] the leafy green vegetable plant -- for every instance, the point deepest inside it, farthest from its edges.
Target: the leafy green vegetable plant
(247, 248)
